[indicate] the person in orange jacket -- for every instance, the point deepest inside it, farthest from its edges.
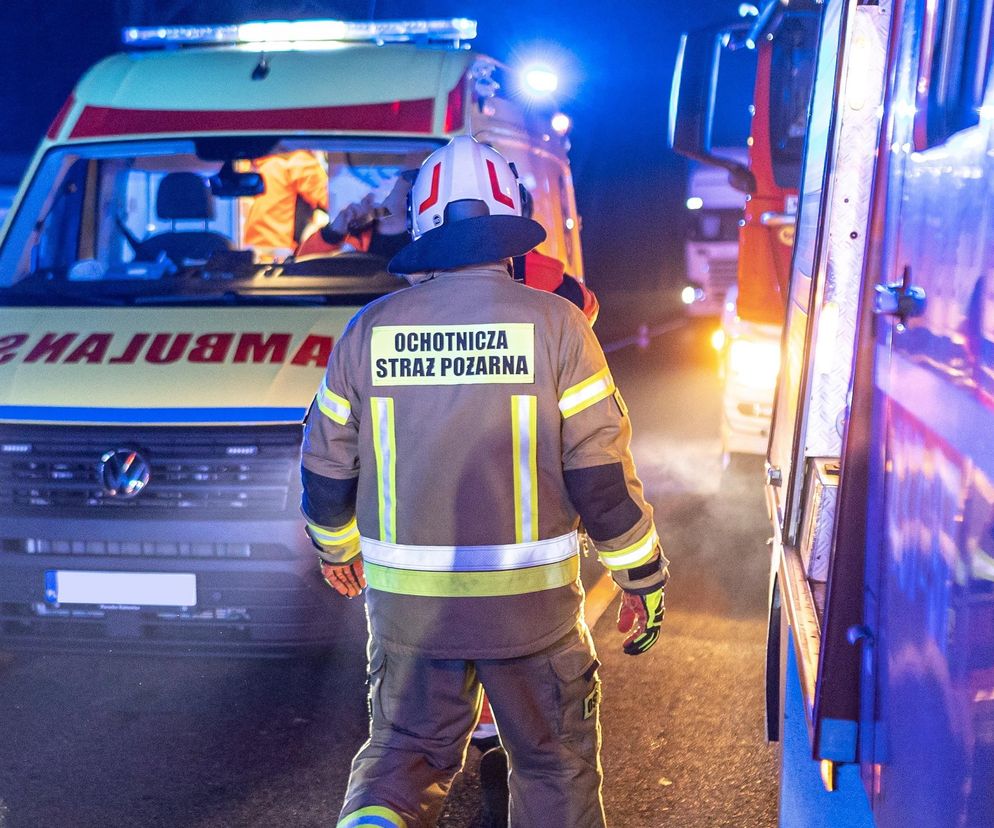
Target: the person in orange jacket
(271, 218)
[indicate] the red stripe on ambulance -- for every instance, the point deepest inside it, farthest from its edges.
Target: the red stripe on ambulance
(396, 116)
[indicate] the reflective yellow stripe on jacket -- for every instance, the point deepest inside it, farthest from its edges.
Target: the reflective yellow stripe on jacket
(333, 407)
(337, 544)
(584, 394)
(385, 448)
(524, 413)
(478, 571)
(637, 554)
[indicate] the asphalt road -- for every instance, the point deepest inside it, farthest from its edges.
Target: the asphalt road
(126, 741)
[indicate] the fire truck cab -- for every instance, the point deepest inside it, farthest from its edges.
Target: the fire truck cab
(781, 38)
(170, 302)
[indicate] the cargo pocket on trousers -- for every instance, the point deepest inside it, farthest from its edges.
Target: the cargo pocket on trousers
(579, 692)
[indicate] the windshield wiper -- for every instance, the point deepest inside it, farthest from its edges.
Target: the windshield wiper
(232, 297)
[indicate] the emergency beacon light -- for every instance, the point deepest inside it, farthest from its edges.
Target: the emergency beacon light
(290, 33)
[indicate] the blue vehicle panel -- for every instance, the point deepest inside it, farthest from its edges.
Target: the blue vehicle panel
(931, 608)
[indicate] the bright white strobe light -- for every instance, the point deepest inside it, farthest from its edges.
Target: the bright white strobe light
(688, 295)
(540, 80)
(561, 123)
(695, 203)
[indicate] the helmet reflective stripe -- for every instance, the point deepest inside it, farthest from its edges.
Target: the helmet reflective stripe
(462, 170)
(433, 195)
(495, 187)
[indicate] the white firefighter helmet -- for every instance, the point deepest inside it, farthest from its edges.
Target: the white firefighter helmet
(464, 209)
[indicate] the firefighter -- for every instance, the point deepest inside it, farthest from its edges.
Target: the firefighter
(464, 427)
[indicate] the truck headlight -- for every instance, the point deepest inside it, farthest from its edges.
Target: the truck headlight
(755, 364)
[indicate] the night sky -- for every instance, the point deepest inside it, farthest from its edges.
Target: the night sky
(619, 60)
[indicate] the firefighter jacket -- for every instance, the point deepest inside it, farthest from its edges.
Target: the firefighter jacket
(464, 427)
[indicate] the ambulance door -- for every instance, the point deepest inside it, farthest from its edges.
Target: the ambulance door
(930, 585)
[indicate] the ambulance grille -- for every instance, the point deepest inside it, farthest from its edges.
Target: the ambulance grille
(206, 472)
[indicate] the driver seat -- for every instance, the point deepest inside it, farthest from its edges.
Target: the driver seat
(183, 196)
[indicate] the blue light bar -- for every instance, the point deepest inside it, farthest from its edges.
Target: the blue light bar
(266, 32)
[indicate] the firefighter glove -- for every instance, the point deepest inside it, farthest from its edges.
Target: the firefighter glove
(346, 579)
(640, 617)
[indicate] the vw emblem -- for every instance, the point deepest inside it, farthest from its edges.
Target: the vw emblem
(123, 472)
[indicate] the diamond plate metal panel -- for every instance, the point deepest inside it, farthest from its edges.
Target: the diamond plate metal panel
(860, 97)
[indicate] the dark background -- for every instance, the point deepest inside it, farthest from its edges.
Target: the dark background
(618, 60)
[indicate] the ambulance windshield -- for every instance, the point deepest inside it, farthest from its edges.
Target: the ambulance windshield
(220, 220)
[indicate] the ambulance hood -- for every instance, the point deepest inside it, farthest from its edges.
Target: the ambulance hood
(173, 366)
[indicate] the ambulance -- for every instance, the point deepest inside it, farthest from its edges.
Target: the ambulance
(162, 337)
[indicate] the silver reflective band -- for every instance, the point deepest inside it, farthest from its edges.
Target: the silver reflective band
(470, 558)
(524, 425)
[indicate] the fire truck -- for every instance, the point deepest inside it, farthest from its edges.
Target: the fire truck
(162, 337)
(781, 36)
(880, 469)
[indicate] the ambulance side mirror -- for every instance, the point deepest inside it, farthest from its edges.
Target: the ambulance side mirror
(692, 99)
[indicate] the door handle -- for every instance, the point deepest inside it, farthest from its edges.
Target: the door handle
(774, 219)
(903, 299)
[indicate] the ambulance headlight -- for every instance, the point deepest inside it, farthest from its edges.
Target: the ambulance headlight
(755, 364)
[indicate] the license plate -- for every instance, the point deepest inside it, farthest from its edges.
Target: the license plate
(147, 589)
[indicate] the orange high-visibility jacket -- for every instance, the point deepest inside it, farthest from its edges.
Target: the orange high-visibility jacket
(271, 216)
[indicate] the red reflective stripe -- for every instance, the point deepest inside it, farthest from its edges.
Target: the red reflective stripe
(495, 186)
(56, 127)
(396, 116)
(454, 114)
(433, 195)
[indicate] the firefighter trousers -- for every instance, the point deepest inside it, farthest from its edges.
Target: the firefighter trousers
(423, 712)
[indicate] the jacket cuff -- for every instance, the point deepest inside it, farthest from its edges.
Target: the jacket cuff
(335, 546)
(329, 559)
(641, 580)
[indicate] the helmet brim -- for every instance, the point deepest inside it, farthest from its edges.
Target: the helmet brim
(468, 242)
